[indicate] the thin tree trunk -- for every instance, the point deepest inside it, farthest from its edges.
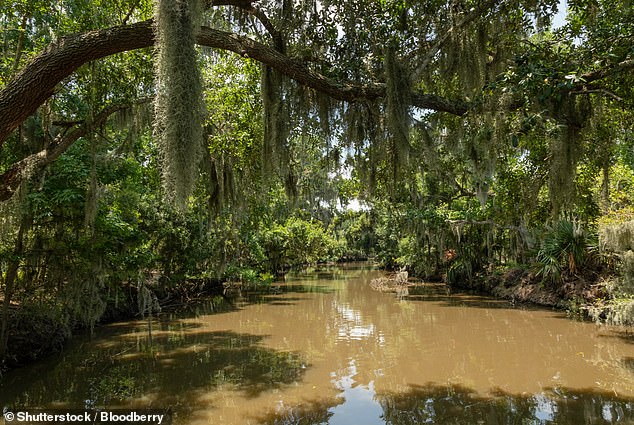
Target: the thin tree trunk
(10, 280)
(605, 186)
(20, 46)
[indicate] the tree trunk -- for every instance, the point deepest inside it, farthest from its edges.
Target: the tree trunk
(18, 49)
(10, 280)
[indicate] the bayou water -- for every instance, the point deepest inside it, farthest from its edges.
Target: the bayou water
(324, 348)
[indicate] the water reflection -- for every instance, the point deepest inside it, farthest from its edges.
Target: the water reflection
(358, 401)
(459, 405)
(455, 404)
(181, 360)
(351, 325)
(324, 348)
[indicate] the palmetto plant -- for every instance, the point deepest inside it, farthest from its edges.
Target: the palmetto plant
(566, 248)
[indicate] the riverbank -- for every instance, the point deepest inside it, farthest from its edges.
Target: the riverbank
(38, 331)
(521, 285)
(577, 294)
(593, 295)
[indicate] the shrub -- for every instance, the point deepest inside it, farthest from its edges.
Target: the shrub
(565, 249)
(298, 242)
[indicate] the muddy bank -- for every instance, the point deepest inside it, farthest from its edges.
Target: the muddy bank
(518, 285)
(521, 285)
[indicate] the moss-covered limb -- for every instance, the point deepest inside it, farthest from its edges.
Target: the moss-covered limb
(36, 82)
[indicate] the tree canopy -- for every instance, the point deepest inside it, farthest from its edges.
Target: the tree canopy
(469, 59)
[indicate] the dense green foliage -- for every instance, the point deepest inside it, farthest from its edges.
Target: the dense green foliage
(540, 149)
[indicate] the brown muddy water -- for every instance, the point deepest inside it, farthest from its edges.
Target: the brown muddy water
(326, 349)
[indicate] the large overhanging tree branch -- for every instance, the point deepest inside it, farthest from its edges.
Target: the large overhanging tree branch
(11, 179)
(27, 90)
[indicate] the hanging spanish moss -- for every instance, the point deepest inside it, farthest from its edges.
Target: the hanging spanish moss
(479, 142)
(179, 104)
(627, 272)
(276, 153)
(566, 150)
(222, 185)
(147, 300)
(92, 196)
(603, 146)
(354, 132)
(465, 55)
(367, 137)
(133, 121)
(271, 110)
(617, 237)
(324, 108)
(354, 129)
(83, 295)
(398, 119)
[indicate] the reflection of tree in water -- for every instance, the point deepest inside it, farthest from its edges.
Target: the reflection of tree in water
(315, 413)
(177, 366)
(459, 405)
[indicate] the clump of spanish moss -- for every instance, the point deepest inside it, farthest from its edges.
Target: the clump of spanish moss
(324, 108)
(133, 121)
(274, 131)
(92, 196)
(482, 157)
(398, 119)
(465, 54)
(222, 182)
(617, 237)
(627, 272)
(478, 141)
(276, 151)
(572, 115)
(179, 103)
(618, 312)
